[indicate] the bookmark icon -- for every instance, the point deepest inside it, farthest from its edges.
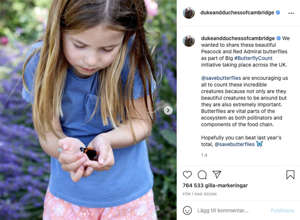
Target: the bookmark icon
(290, 174)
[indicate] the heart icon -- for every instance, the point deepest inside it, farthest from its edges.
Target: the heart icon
(187, 174)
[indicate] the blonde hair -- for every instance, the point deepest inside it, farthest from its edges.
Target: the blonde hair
(51, 71)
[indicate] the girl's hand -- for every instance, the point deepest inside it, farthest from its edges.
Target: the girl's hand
(81, 171)
(71, 158)
(88, 171)
(105, 154)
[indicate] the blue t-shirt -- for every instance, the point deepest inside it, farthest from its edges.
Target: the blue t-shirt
(129, 178)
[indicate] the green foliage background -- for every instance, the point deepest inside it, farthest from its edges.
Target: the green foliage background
(19, 14)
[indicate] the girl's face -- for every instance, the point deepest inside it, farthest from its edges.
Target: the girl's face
(92, 50)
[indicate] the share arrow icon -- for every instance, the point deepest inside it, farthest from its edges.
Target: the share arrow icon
(217, 173)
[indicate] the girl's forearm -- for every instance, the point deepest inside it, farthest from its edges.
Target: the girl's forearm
(50, 144)
(122, 136)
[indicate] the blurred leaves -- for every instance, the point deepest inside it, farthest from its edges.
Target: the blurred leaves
(169, 136)
(164, 22)
(19, 17)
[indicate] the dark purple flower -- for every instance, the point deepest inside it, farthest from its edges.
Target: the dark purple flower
(157, 170)
(24, 167)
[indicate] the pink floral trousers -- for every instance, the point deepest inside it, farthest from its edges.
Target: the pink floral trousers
(142, 208)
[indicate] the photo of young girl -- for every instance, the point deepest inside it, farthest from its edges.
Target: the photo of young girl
(90, 81)
(88, 109)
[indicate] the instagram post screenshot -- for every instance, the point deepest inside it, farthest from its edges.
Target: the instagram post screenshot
(237, 103)
(88, 109)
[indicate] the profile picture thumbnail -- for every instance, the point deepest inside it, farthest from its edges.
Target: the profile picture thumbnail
(188, 13)
(188, 41)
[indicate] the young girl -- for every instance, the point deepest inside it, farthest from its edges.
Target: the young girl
(90, 82)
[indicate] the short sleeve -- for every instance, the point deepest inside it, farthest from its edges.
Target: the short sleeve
(138, 90)
(29, 72)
